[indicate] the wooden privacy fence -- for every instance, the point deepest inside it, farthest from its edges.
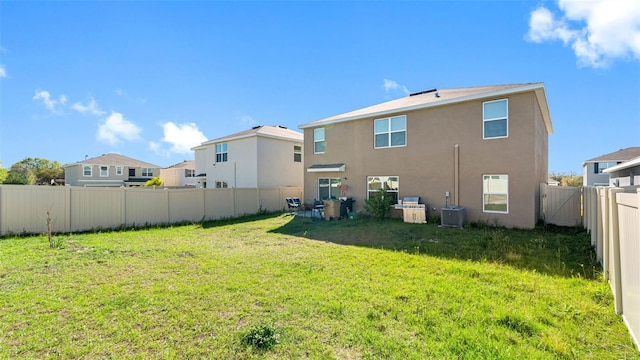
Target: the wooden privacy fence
(23, 209)
(612, 215)
(561, 205)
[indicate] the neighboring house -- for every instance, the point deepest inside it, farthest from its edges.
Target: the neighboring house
(481, 148)
(109, 170)
(593, 169)
(262, 157)
(180, 174)
(625, 174)
(553, 182)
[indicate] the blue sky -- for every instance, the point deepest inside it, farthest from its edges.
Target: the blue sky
(151, 79)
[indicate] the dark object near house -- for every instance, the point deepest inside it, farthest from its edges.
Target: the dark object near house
(452, 216)
(345, 207)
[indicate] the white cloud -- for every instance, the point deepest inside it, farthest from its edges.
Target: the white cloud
(3, 72)
(116, 128)
(248, 120)
(182, 137)
(390, 85)
(91, 107)
(49, 102)
(598, 31)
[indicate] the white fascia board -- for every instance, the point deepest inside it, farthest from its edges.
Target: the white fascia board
(624, 165)
(510, 91)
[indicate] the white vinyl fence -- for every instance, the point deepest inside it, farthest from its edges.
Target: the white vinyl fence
(612, 215)
(23, 209)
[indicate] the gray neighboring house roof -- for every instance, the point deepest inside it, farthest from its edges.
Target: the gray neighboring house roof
(620, 155)
(440, 97)
(276, 132)
(115, 160)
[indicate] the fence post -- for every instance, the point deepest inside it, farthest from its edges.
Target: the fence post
(604, 208)
(67, 208)
(593, 208)
(614, 232)
(543, 202)
(600, 222)
(3, 219)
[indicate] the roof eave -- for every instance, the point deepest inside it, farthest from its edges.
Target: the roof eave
(537, 87)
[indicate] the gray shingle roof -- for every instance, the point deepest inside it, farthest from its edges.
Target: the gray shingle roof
(620, 155)
(438, 98)
(116, 160)
(278, 132)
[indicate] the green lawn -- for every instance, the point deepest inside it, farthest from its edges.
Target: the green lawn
(331, 290)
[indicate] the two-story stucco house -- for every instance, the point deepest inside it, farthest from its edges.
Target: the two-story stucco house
(182, 174)
(593, 173)
(261, 157)
(481, 148)
(109, 170)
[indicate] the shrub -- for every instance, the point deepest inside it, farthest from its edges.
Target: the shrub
(262, 336)
(378, 205)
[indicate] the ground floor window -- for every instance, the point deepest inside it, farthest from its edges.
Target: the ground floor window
(391, 184)
(328, 188)
(221, 184)
(495, 193)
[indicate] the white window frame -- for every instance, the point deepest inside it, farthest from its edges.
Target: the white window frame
(486, 192)
(84, 170)
(222, 152)
(189, 173)
(119, 170)
(332, 189)
(485, 120)
(389, 132)
(384, 179)
(146, 172)
(220, 184)
(297, 153)
(317, 138)
(104, 172)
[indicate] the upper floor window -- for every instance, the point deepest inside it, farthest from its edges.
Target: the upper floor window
(495, 119)
(119, 170)
(318, 141)
(146, 172)
(87, 170)
(189, 173)
(221, 152)
(297, 153)
(390, 132)
(390, 184)
(495, 193)
(221, 184)
(104, 170)
(599, 167)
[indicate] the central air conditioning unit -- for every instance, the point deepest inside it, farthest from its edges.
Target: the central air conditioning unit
(452, 216)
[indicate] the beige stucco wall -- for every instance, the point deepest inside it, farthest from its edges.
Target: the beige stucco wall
(426, 165)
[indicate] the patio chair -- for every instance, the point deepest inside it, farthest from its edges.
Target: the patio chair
(293, 204)
(318, 207)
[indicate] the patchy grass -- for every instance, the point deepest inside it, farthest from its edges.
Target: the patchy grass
(344, 289)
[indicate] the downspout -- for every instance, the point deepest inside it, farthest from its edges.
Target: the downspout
(456, 175)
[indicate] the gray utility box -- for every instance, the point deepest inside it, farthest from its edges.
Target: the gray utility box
(452, 216)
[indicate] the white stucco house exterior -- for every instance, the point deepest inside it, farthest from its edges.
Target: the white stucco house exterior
(182, 174)
(261, 157)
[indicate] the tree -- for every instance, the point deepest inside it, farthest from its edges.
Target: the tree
(567, 179)
(154, 181)
(31, 171)
(3, 173)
